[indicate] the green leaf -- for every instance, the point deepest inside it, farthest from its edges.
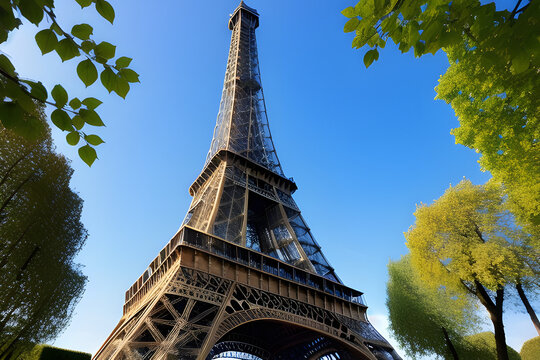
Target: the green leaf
(520, 62)
(87, 46)
(87, 154)
(59, 95)
(122, 87)
(351, 25)
(61, 119)
(30, 128)
(390, 23)
(108, 79)
(365, 8)
(123, 62)
(413, 32)
(84, 3)
(373, 39)
(37, 90)
(371, 56)
(82, 31)
(92, 103)
(87, 72)
(129, 75)
(75, 103)
(78, 122)
(91, 117)
(93, 140)
(31, 10)
(419, 48)
(72, 138)
(46, 40)
(11, 114)
(349, 12)
(67, 49)
(6, 65)
(105, 9)
(105, 50)
(16, 93)
(431, 31)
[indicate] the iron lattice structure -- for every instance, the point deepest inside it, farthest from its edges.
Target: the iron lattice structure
(243, 277)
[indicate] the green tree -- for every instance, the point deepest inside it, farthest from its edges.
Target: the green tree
(40, 234)
(17, 95)
(425, 320)
(493, 82)
(466, 241)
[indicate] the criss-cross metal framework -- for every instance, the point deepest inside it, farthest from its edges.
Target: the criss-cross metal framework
(243, 277)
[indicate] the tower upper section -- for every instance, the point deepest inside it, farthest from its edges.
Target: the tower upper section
(242, 123)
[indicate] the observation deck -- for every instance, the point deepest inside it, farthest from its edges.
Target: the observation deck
(214, 255)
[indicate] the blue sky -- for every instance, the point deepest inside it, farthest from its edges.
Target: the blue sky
(364, 146)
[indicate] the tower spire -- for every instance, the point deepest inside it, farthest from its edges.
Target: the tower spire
(242, 123)
(242, 194)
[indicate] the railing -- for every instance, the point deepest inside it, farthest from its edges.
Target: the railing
(268, 264)
(254, 259)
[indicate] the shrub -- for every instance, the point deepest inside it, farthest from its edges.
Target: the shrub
(482, 347)
(531, 349)
(46, 352)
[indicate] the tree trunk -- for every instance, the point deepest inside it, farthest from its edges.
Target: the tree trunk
(497, 320)
(6, 175)
(495, 311)
(13, 246)
(6, 202)
(451, 347)
(528, 306)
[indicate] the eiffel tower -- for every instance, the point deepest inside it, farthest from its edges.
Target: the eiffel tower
(243, 278)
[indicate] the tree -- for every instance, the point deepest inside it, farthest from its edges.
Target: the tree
(40, 234)
(425, 320)
(17, 95)
(493, 82)
(466, 241)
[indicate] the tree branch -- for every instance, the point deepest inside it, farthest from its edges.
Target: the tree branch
(15, 192)
(467, 287)
(514, 12)
(479, 233)
(484, 297)
(6, 175)
(17, 81)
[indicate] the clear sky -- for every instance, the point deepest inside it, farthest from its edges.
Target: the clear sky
(364, 146)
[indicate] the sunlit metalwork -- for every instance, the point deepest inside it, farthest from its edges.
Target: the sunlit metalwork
(243, 276)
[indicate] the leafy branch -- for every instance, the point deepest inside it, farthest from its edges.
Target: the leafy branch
(17, 96)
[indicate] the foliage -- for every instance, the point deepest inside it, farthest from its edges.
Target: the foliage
(70, 115)
(530, 349)
(493, 82)
(467, 241)
(47, 352)
(483, 348)
(422, 317)
(467, 235)
(40, 234)
(426, 26)
(498, 112)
